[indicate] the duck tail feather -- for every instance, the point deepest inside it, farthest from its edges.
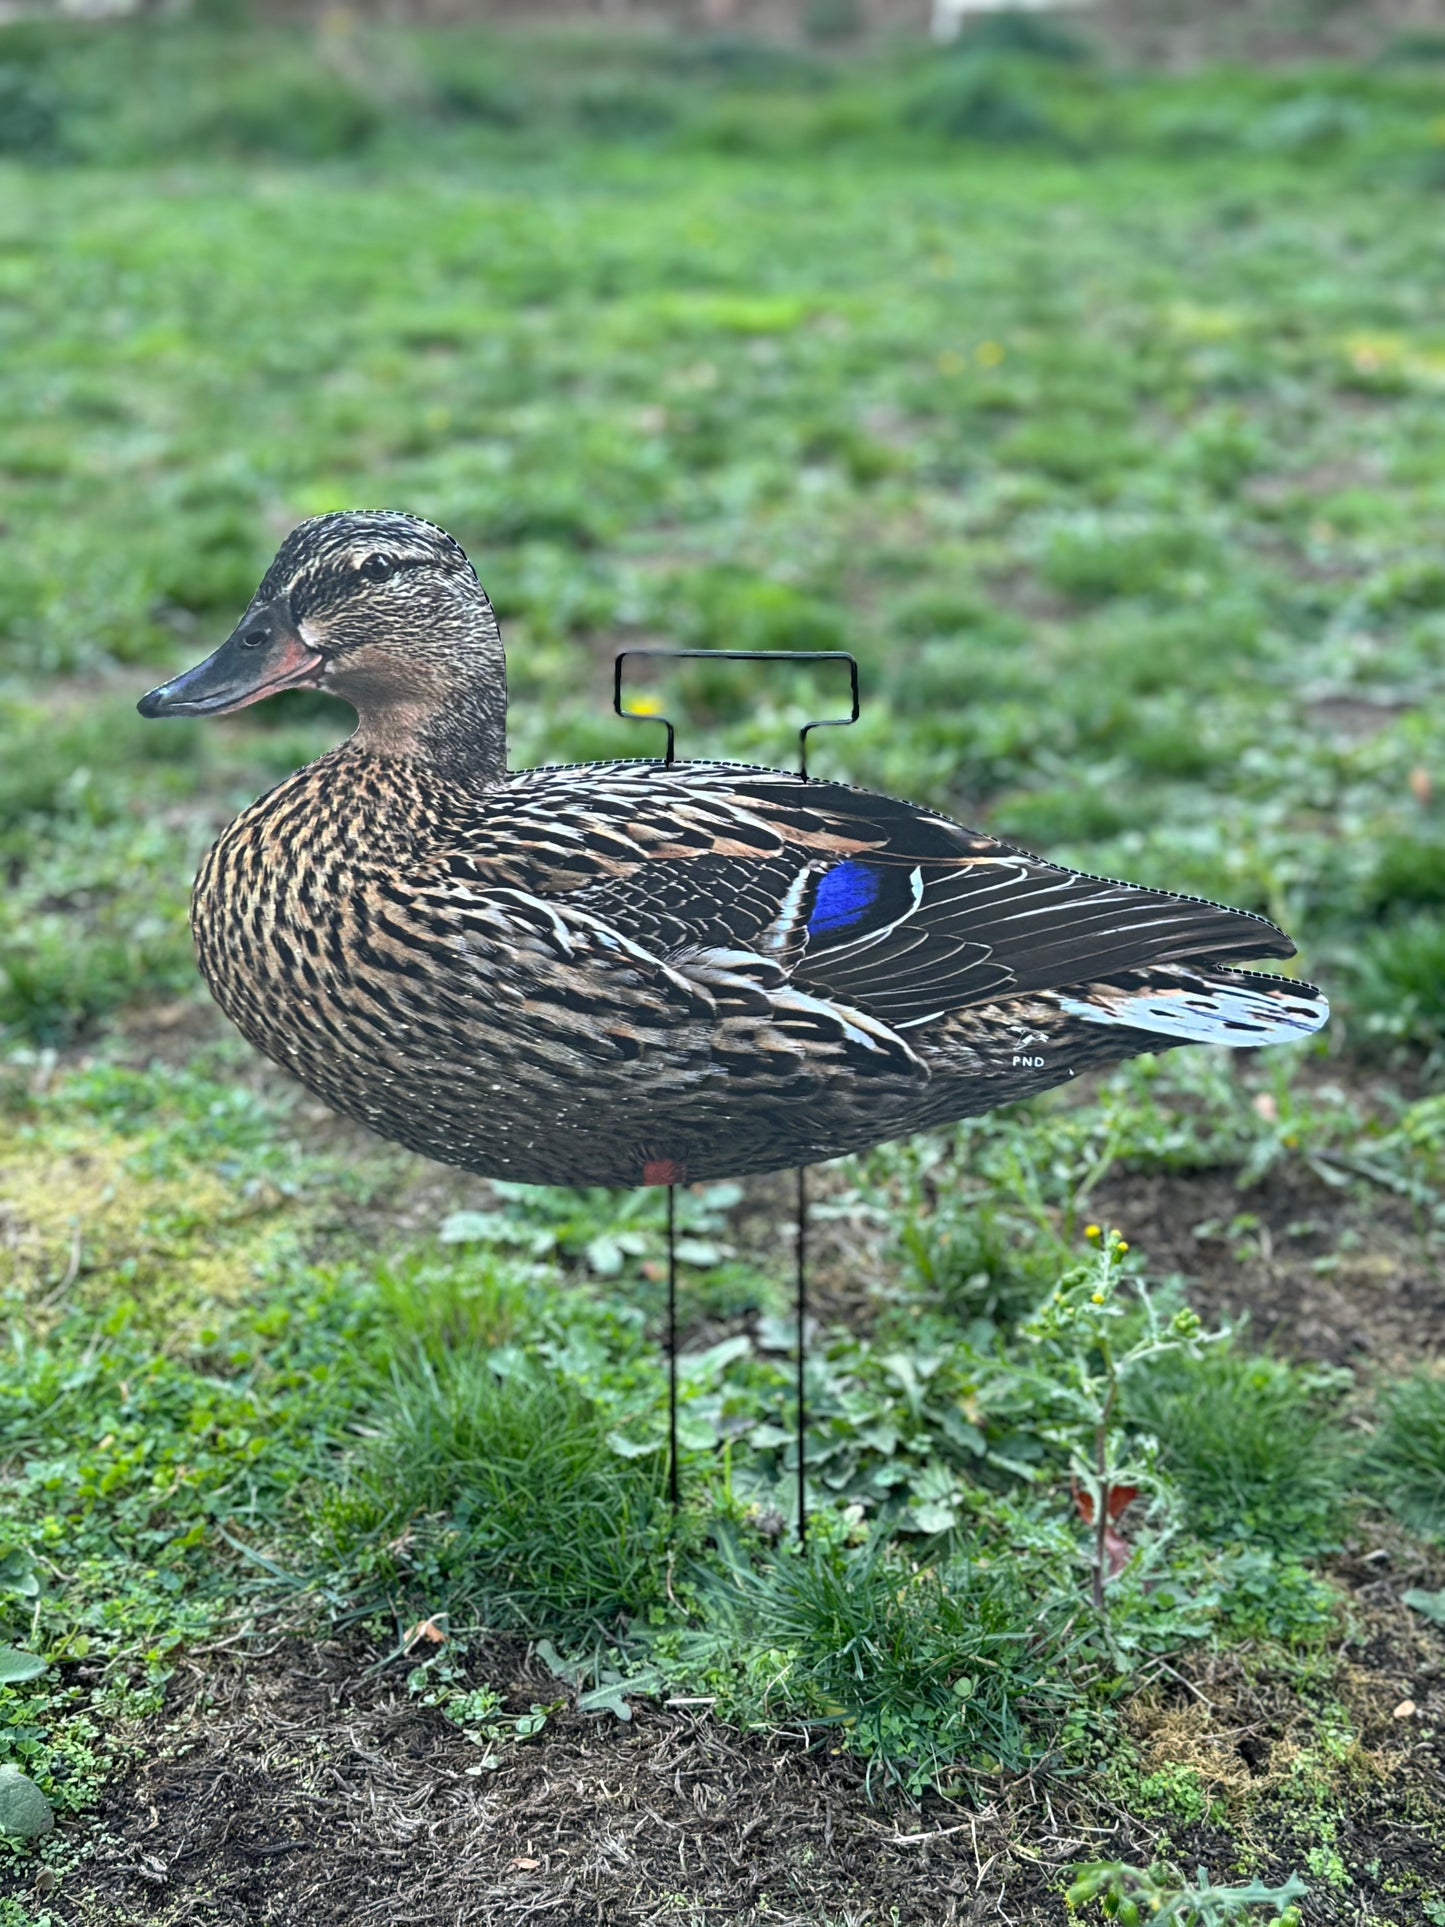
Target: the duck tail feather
(1237, 1008)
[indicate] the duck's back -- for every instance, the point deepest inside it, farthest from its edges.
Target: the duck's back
(618, 973)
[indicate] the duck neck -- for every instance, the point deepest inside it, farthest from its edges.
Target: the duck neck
(463, 738)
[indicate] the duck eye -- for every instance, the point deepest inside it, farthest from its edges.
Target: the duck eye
(376, 568)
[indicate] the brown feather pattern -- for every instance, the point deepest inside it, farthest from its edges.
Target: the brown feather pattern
(562, 975)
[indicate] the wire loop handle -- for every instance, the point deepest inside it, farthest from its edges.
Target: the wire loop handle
(740, 655)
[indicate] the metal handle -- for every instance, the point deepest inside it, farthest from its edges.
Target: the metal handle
(740, 655)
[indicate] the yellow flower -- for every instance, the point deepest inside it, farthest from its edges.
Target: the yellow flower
(1092, 1231)
(988, 354)
(1098, 1298)
(1121, 1247)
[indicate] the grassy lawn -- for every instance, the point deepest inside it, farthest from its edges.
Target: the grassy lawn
(1100, 415)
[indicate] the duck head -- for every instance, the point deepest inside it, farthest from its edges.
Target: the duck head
(381, 609)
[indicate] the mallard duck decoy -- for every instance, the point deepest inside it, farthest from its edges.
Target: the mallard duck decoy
(629, 972)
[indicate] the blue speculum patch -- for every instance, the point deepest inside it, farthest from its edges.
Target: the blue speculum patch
(845, 896)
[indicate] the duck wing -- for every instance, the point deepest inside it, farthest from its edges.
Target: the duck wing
(859, 899)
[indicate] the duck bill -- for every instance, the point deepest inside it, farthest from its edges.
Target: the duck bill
(262, 656)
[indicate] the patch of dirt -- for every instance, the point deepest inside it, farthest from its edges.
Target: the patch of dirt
(297, 1787)
(171, 1033)
(300, 1785)
(1343, 1277)
(1352, 719)
(1250, 1726)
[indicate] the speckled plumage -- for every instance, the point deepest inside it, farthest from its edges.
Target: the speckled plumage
(589, 974)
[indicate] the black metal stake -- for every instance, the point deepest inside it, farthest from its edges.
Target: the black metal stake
(821, 722)
(802, 1335)
(672, 1482)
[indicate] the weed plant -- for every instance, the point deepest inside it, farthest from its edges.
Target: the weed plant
(980, 1261)
(1161, 1893)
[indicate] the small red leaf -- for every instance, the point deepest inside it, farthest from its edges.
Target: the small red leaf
(1119, 1499)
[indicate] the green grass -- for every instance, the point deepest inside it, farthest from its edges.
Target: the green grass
(1253, 1445)
(1406, 1457)
(1096, 412)
(1400, 984)
(922, 1670)
(203, 1420)
(647, 418)
(542, 1525)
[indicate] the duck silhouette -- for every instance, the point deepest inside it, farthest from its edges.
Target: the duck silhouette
(641, 972)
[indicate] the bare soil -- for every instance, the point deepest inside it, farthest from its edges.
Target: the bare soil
(298, 1784)
(1341, 1277)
